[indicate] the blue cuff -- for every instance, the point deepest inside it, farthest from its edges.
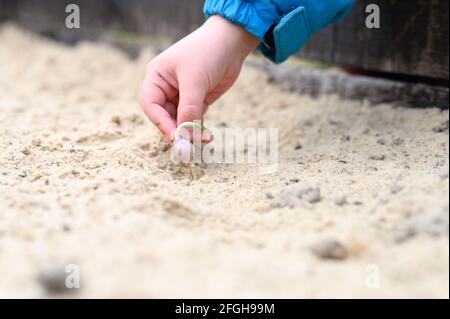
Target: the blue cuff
(292, 22)
(254, 16)
(289, 36)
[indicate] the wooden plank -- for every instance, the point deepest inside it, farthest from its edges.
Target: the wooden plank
(318, 83)
(161, 17)
(412, 40)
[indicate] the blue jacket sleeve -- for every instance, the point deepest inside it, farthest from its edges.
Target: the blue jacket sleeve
(283, 26)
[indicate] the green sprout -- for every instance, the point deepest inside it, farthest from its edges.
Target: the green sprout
(193, 125)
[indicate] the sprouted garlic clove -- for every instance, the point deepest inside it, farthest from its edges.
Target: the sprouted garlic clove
(183, 151)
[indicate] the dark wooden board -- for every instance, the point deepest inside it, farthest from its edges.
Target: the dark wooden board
(318, 83)
(412, 40)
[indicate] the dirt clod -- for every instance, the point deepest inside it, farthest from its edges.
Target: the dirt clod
(26, 151)
(116, 120)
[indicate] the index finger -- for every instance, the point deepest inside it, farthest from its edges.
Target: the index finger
(153, 101)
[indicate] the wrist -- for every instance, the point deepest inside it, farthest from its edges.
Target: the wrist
(233, 35)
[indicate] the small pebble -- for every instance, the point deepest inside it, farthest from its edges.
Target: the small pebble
(52, 278)
(116, 120)
(435, 224)
(269, 195)
(36, 142)
(395, 189)
(341, 201)
(397, 142)
(378, 157)
(404, 234)
(35, 177)
(23, 174)
(382, 141)
(441, 128)
(297, 194)
(330, 249)
(444, 176)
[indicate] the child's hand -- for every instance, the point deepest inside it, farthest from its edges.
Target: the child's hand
(184, 80)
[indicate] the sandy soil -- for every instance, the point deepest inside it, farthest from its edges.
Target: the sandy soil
(85, 179)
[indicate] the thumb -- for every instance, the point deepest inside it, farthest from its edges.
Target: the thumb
(190, 108)
(192, 98)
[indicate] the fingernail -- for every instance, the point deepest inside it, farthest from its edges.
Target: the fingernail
(207, 136)
(172, 137)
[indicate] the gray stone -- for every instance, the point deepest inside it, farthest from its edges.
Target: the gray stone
(378, 157)
(52, 278)
(444, 176)
(341, 201)
(298, 194)
(435, 224)
(395, 189)
(398, 142)
(441, 128)
(330, 249)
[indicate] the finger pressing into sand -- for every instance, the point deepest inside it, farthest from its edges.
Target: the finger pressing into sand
(190, 108)
(192, 98)
(155, 106)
